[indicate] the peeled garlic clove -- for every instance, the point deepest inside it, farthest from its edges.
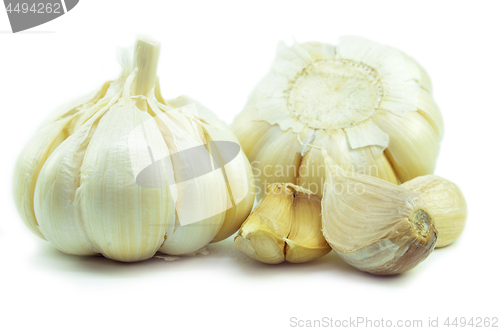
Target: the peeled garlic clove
(285, 226)
(446, 202)
(374, 225)
(126, 174)
(349, 99)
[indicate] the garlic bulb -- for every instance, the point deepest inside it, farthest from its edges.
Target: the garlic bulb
(124, 173)
(285, 226)
(374, 225)
(446, 202)
(370, 106)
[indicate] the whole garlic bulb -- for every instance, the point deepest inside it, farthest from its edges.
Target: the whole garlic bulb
(124, 173)
(370, 106)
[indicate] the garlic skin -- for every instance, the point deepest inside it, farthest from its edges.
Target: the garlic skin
(446, 202)
(374, 225)
(285, 226)
(369, 105)
(76, 183)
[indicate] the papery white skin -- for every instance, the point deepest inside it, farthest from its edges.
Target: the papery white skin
(395, 137)
(74, 183)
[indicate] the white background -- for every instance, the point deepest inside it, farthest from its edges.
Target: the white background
(216, 52)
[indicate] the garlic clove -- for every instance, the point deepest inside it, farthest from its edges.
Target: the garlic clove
(313, 167)
(414, 145)
(122, 227)
(53, 131)
(241, 207)
(374, 225)
(279, 159)
(208, 192)
(384, 170)
(304, 243)
(261, 236)
(260, 244)
(57, 194)
(28, 168)
(252, 133)
(311, 171)
(446, 202)
(369, 160)
(241, 190)
(285, 226)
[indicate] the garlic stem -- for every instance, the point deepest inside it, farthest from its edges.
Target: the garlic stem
(146, 56)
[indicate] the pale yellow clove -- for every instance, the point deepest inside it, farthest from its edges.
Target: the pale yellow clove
(446, 202)
(285, 226)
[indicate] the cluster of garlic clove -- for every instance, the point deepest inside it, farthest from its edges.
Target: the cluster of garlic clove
(383, 228)
(332, 132)
(369, 105)
(81, 182)
(285, 226)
